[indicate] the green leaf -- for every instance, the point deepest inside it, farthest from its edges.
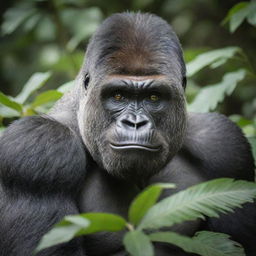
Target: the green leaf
(209, 97)
(103, 222)
(206, 199)
(66, 87)
(8, 112)
(82, 224)
(203, 243)
(14, 17)
(138, 244)
(35, 82)
(211, 57)
(145, 200)
(238, 17)
(8, 102)
(45, 97)
(62, 232)
(251, 17)
(234, 9)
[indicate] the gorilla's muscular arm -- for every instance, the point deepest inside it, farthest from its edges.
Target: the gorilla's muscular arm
(42, 164)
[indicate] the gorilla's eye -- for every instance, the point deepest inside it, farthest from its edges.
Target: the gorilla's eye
(118, 96)
(154, 97)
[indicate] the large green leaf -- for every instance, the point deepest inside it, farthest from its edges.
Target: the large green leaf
(8, 102)
(208, 97)
(203, 243)
(145, 200)
(35, 82)
(138, 244)
(214, 58)
(45, 97)
(206, 199)
(82, 224)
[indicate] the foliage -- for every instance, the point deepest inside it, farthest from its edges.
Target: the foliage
(47, 34)
(207, 199)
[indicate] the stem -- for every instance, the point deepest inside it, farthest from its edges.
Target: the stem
(130, 227)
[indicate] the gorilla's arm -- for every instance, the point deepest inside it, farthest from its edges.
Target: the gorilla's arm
(42, 165)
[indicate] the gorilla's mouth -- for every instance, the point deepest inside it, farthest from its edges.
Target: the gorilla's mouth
(131, 146)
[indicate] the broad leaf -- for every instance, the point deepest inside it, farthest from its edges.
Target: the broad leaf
(46, 97)
(203, 243)
(8, 112)
(206, 199)
(209, 58)
(62, 232)
(145, 200)
(8, 102)
(138, 244)
(103, 222)
(82, 224)
(208, 97)
(35, 82)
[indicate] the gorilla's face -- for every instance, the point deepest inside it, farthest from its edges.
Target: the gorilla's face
(133, 125)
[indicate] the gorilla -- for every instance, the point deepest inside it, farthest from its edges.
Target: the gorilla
(123, 126)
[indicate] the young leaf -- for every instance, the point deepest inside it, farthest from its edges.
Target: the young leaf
(204, 243)
(7, 101)
(208, 97)
(145, 200)
(45, 97)
(238, 17)
(205, 199)
(138, 244)
(210, 57)
(35, 82)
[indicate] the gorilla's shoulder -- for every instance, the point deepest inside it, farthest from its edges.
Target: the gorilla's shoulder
(219, 145)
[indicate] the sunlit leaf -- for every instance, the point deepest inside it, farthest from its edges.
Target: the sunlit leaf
(209, 97)
(211, 57)
(8, 102)
(138, 244)
(145, 200)
(45, 97)
(203, 243)
(206, 199)
(35, 82)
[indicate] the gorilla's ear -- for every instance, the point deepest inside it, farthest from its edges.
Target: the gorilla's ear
(184, 82)
(86, 81)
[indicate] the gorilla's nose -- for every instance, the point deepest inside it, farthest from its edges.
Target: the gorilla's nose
(136, 122)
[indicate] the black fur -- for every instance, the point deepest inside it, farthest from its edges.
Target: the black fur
(93, 152)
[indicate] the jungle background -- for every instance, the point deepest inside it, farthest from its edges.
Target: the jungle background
(42, 46)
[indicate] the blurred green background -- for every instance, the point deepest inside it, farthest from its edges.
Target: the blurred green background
(218, 38)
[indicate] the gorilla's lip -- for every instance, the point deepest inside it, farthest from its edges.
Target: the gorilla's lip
(124, 146)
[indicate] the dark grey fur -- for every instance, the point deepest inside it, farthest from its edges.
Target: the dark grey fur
(60, 164)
